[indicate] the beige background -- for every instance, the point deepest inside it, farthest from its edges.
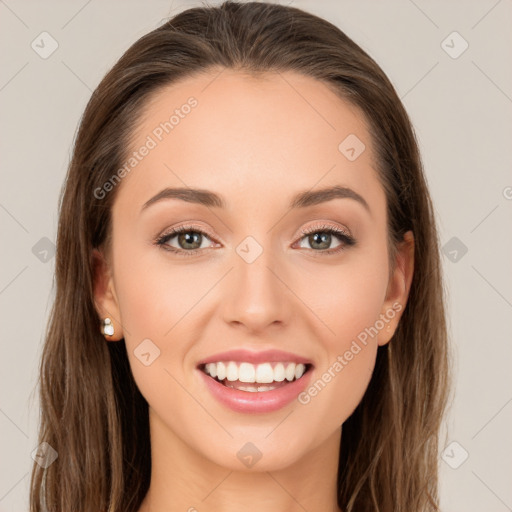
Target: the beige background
(461, 108)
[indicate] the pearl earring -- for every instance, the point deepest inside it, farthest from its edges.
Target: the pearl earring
(108, 327)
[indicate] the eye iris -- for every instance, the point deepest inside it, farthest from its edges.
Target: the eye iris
(186, 238)
(322, 238)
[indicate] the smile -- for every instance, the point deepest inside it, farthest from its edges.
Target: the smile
(255, 388)
(250, 377)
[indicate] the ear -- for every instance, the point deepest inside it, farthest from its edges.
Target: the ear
(105, 298)
(398, 288)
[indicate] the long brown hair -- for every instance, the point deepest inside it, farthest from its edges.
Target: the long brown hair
(92, 412)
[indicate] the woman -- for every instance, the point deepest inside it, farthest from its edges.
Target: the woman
(249, 310)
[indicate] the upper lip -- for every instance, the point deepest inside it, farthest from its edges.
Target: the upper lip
(249, 356)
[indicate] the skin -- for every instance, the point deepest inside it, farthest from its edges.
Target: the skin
(256, 142)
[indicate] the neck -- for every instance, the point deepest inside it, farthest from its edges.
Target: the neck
(184, 480)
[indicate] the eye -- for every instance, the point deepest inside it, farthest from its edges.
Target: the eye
(321, 237)
(189, 240)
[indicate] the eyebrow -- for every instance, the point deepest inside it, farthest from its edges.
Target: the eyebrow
(300, 200)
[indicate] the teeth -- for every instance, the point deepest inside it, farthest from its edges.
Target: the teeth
(252, 389)
(266, 388)
(299, 371)
(221, 371)
(246, 372)
(279, 373)
(290, 372)
(211, 369)
(232, 371)
(264, 373)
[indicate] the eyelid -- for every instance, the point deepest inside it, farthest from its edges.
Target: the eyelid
(342, 233)
(323, 226)
(186, 227)
(161, 240)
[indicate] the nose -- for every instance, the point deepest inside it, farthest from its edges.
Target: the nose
(256, 294)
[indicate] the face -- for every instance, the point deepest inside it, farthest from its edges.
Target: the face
(266, 265)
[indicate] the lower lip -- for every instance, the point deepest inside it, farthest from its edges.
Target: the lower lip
(256, 402)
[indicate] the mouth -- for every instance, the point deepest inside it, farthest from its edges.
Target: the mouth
(255, 378)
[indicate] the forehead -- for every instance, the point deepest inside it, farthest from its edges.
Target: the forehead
(250, 137)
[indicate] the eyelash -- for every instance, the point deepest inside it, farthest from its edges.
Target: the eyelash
(346, 239)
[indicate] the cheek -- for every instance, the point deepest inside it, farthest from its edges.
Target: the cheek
(347, 297)
(347, 354)
(146, 296)
(152, 293)
(354, 309)
(160, 301)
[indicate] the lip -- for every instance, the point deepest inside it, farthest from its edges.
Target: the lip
(257, 402)
(265, 356)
